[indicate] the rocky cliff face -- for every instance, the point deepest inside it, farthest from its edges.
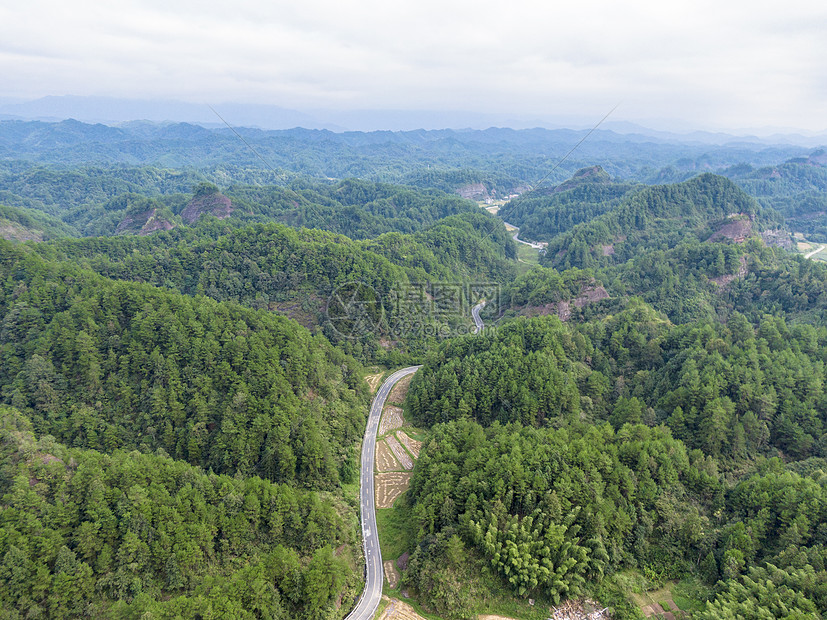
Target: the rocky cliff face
(475, 191)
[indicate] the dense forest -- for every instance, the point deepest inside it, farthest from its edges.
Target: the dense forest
(659, 217)
(182, 400)
(564, 453)
(96, 201)
(103, 364)
(271, 266)
(125, 533)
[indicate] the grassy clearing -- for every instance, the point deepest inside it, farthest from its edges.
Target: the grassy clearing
(805, 246)
(416, 433)
(528, 258)
(396, 535)
(351, 492)
(528, 254)
(488, 595)
(691, 594)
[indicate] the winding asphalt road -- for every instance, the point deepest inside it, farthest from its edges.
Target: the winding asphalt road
(536, 246)
(374, 575)
(374, 572)
(475, 313)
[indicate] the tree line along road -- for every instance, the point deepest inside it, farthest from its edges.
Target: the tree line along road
(374, 572)
(369, 601)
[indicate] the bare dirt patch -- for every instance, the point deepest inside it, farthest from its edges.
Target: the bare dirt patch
(389, 486)
(293, 310)
(398, 610)
(391, 574)
(777, 238)
(400, 390)
(412, 445)
(737, 230)
(391, 419)
(384, 458)
(589, 295)
(373, 381)
(402, 561)
(215, 204)
(492, 617)
(399, 452)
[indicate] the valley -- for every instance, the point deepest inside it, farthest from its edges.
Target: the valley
(338, 387)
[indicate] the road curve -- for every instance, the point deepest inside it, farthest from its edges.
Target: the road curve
(814, 252)
(374, 577)
(515, 236)
(475, 313)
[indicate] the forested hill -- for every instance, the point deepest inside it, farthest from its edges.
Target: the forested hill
(660, 217)
(796, 188)
(147, 375)
(514, 157)
(546, 212)
(106, 201)
(183, 396)
(351, 207)
(21, 224)
(296, 271)
(561, 454)
(104, 364)
(692, 281)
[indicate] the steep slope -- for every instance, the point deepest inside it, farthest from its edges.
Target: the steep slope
(298, 271)
(561, 454)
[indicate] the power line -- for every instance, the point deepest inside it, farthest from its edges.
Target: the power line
(574, 148)
(240, 137)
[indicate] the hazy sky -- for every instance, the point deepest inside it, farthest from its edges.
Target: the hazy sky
(724, 64)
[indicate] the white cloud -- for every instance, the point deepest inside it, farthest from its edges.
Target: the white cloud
(714, 64)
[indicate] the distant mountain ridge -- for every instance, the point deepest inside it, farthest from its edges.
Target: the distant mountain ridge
(113, 110)
(511, 157)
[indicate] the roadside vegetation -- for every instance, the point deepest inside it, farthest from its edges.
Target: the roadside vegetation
(642, 424)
